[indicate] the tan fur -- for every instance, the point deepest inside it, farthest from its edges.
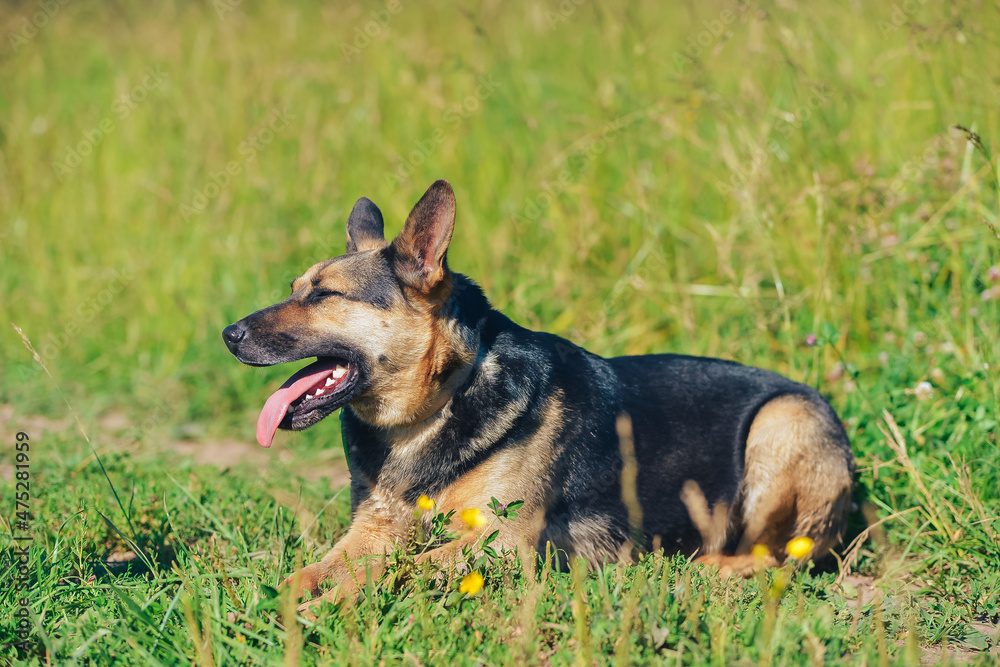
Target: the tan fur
(587, 537)
(383, 519)
(739, 565)
(796, 483)
(509, 475)
(364, 243)
(417, 353)
(377, 525)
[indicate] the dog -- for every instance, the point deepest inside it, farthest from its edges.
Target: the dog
(443, 396)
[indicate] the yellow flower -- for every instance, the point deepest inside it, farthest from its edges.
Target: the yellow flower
(473, 518)
(425, 503)
(760, 552)
(472, 583)
(799, 548)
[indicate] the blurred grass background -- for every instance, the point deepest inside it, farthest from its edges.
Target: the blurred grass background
(713, 178)
(713, 221)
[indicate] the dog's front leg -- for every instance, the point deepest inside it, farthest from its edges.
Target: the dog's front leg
(372, 535)
(338, 563)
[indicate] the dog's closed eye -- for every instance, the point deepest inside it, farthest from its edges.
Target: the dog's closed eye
(319, 293)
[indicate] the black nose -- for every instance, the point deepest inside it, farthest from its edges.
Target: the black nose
(233, 334)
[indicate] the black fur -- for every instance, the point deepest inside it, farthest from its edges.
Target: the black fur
(690, 418)
(365, 224)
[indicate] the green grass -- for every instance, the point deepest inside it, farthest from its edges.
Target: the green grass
(797, 175)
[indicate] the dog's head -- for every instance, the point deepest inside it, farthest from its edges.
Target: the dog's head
(371, 317)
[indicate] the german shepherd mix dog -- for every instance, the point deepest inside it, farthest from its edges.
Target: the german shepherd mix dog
(443, 395)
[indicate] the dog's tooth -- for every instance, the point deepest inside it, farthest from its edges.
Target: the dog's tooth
(339, 372)
(319, 392)
(329, 381)
(307, 398)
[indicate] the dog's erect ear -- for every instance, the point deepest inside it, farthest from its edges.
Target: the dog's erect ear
(364, 227)
(421, 246)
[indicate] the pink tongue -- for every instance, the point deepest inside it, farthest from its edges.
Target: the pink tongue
(277, 405)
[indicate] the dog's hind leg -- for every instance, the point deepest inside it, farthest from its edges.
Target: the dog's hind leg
(796, 483)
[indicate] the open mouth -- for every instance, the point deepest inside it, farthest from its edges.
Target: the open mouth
(307, 397)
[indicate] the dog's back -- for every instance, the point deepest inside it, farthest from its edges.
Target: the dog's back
(770, 450)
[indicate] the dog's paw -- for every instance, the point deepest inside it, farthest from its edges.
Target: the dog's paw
(307, 610)
(307, 581)
(744, 565)
(310, 609)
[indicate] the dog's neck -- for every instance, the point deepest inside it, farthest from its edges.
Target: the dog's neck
(424, 389)
(395, 457)
(445, 391)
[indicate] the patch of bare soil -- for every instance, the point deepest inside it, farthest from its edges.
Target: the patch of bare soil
(861, 588)
(953, 655)
(865, 589)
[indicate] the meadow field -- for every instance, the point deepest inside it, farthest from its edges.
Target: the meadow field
(778, 183)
